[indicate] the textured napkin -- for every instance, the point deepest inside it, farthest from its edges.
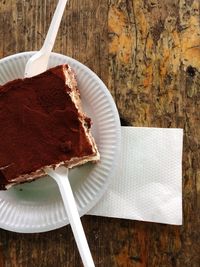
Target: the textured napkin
(148, 182)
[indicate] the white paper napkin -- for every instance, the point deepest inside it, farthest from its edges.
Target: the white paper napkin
(148, 183)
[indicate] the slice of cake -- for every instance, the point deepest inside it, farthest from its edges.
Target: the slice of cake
(42, 124)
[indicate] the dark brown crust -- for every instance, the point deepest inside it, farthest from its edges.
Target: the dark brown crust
(86, 141)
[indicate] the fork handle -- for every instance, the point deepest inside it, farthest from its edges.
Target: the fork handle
(54, 26)
(61, 178)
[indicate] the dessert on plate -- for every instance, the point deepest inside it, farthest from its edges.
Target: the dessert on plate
(42, 124)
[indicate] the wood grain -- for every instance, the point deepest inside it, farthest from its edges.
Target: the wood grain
(148, 53)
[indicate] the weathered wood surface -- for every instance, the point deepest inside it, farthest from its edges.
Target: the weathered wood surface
(148, 53)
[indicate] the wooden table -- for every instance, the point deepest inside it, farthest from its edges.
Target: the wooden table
(148, 54)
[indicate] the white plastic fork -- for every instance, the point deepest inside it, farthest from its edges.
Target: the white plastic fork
(61, 178)
(37, 64)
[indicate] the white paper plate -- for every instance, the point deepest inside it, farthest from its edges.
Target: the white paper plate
(37, 206)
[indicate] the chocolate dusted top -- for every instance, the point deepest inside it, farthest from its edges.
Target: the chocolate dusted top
(39, 125)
